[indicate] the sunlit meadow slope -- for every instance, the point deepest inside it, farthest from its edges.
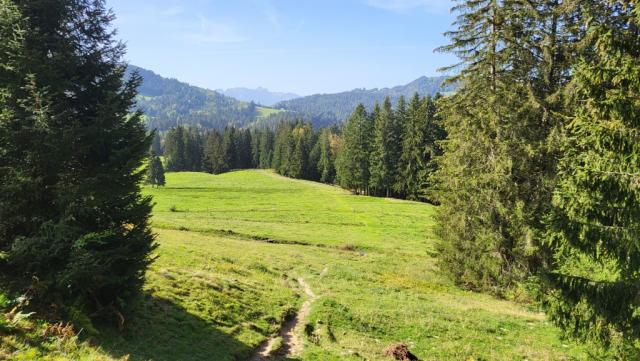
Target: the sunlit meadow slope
(232, 246)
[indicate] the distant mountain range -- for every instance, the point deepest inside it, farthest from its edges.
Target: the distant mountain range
(259, 95)
(168, 102)
(337, 107)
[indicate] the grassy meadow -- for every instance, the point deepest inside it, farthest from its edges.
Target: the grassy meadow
(231, 249)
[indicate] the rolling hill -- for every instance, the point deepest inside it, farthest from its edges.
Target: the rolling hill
(169, 102)
(337, 107)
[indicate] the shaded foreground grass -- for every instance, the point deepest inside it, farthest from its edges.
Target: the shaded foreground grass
(231, 251)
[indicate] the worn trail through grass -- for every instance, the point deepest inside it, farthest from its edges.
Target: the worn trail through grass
(240, 254)
(289, 334)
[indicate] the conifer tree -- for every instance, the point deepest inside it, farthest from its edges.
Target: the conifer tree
(385, 150)
(192, 150)
(175, 150)
(352, 163)
(298, 162)
(255, 149)
(594, 228)
(327, 156)
(495, 178)
(401, 118)
(229, 148)
(413, 159)
(266, 149)
(155, 171)
(214, 154)
(71, 150)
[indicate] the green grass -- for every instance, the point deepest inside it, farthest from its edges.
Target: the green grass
(265, 112)
(230, 254)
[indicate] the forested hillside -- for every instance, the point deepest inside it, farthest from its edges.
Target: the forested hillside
(168, 103)
(334, 108)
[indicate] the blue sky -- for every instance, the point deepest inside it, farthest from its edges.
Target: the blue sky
(301, 46)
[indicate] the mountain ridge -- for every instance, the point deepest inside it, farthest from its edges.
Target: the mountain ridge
(259, 95)
(337, 107)
(169, 102)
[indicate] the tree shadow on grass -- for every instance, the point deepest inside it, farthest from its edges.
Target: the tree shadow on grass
(160, 330)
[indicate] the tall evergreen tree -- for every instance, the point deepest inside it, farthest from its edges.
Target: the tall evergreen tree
(155, 172)
(327, 157)
(229, 148)
(298, 162)
(385, 150)
(594, 229)
(266, 149)
(495, 178)
(255, 149)
(71, 150)
(352, 163)
(412, 160)
(193, 150)
(214, 154)
(175, 150)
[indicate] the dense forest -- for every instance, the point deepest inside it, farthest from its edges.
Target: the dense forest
(336, 108)
(387, 152)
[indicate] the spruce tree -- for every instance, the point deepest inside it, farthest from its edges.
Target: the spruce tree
(192, 150)
(72, 148)
(175, 150)
(327, 156)
(214, 155)
(385, 150)
(155, 171)
(400, 118)
(229, 148)
(266, 149)
(352, 163)
(298, 162)
(592, 286)
(255, 149)
(495, 178)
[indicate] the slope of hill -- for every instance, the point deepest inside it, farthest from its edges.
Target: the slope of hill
(338, 106)
(259, 95)
(169, 102)
(240, 254)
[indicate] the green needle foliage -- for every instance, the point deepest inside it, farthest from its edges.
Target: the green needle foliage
(73, 224)
(595, 224)
(352, 163)
(155, 172)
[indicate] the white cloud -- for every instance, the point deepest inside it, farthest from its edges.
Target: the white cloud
(434, 6)
(211, 32)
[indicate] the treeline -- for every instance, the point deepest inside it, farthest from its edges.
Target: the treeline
(540, 177)
(387, 152)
